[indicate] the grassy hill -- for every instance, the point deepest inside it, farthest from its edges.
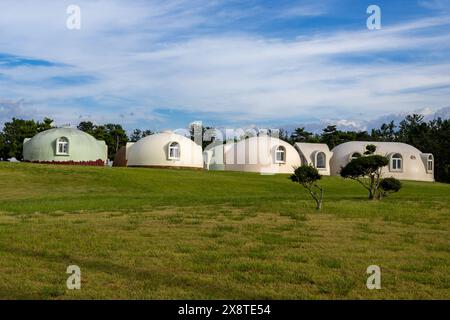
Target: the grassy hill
(166, 234)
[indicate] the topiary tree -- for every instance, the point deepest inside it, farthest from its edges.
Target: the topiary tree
(308, 176)
(366, 170)
(388, 185)
(370, 149)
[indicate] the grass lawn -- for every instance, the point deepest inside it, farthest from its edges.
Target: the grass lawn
(181, 234)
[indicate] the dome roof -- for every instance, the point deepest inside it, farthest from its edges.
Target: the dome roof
(254, 154)
(162, 136)
(382, 147)
(82, 146)
(153, 150)
(69, 133)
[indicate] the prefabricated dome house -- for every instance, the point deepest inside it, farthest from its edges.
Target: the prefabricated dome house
(165, 149)
(317, 155)
(262, 154)
(65, 145)
(213, 156)
(405, 162)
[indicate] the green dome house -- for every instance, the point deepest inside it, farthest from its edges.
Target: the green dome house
(65, 145)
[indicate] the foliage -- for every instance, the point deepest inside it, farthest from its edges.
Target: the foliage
(366, 170)
(429, 137)
(386, 132)
(388, 185)
(2, 144)
(14, 133)
(308, 176)
(113, 135)
(138, 134)
(96, 163)
(86, 126)
(432, 137)
(370, 149)
(301, 135)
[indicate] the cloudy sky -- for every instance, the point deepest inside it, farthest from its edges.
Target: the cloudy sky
(163, 64)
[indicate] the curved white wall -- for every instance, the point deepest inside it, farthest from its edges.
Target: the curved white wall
(308, 155)
(414, 161)
(255, 154)
(153, 150)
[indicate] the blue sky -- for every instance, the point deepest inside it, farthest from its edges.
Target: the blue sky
(163, 64)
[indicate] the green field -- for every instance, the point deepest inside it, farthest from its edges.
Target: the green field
(182, 234)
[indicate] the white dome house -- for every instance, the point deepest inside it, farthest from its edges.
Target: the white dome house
(65, 145)
(317, 155)
(405, 161)
(165, 149)
(263, 154)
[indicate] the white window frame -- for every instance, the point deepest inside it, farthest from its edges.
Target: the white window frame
(324, 160)
(174, 146)
(430, 161)
(395, 161)
(62, 141)
(280, 150)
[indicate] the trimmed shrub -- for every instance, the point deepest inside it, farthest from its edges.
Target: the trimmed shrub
(97, 163)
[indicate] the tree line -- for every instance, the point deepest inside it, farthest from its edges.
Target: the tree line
(16, 130)
(431, 137)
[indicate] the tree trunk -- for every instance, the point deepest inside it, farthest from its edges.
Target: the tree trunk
(319, 201)
(372, 190)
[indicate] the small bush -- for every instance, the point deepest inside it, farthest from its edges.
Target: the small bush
(98, 163)
(388, 185)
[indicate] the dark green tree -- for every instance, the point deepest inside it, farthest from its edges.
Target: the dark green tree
(301, 135)
(389, 185)
(86, 126)
(413, 130)
(367, 171)
(439, 145)
(147, 133)
(14, 133)
(386, 132)
(138, 134)
(370, 149)
(308, 177)
(113, 135)
(331, 136)
(116, 137)
(2, 144)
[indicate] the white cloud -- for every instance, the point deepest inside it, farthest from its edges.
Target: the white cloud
(440, 5)
(151, 55)
(304, 9)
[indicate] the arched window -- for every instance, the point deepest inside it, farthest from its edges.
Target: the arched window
(280, 154)
(321, 160)
(62, 146)
(174, 151)
(397, 162)
(430, 163)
